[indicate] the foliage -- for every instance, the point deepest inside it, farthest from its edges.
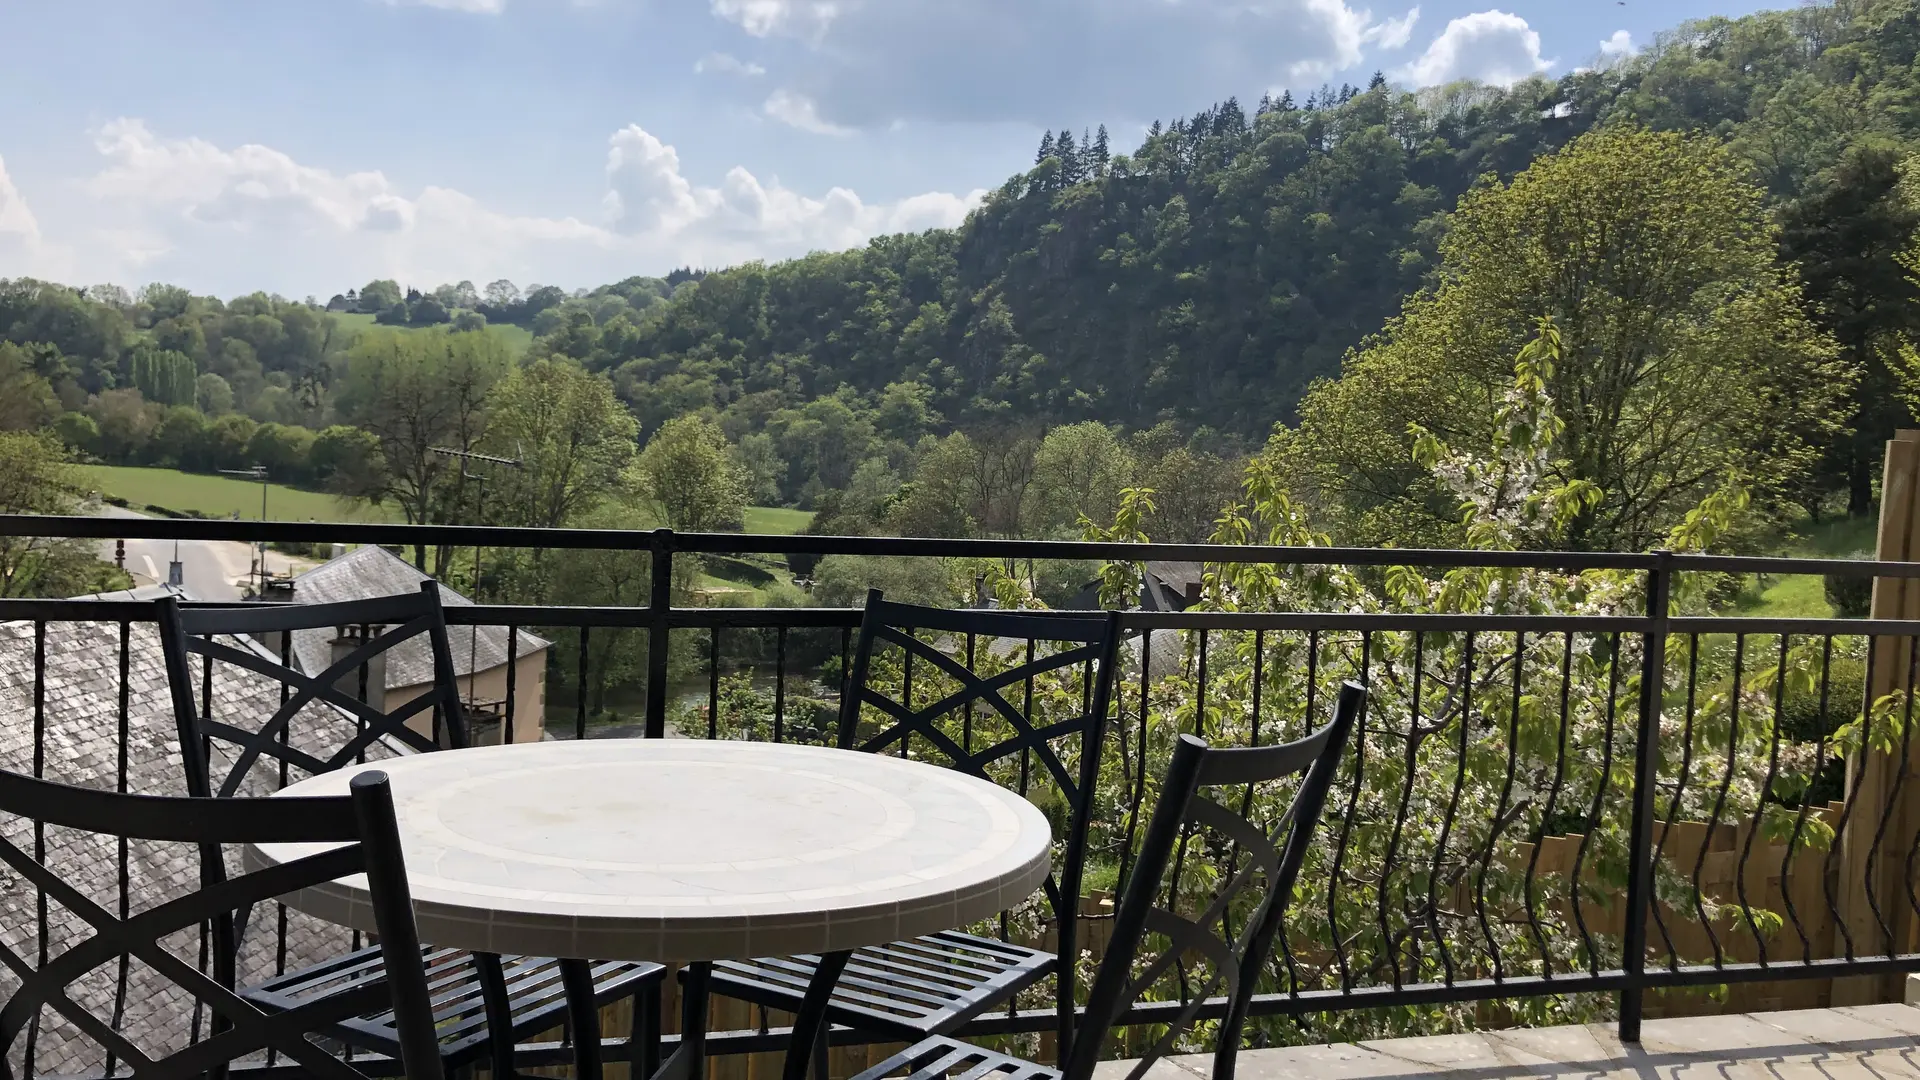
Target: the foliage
(572, 439)
(1685, 358)
(843, 580)
(27, 400)
(687, 477)
(414, 393)
(616, 656)
(1078, 470)
(1851, 596)
(1475, 745)
(164, 376)
(36, 479)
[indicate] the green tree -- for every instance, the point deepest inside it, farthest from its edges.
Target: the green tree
(1688, 358)
(572, 439)
(285, 450)
(78, 432)
(227, 439)
(687, 478)
(1847, 237)
(35, 478)
(347, 459)
(213, 394)
(27, 400)
(379, 295)
(180, 439)
(1078, 472)
(616, 657)
(126, 423)
(760, 467)
(943, 497)
(413, 393)
(163, 376)
(428, 311)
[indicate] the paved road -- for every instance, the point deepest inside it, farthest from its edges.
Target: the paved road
(210, 569)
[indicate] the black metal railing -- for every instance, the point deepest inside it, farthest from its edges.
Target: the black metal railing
(1555, 813)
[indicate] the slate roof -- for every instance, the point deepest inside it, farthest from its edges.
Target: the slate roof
(373, 571)
(1164, 588)
(82, 724)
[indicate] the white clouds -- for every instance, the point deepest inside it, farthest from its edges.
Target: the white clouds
(1494, 47)
(1392, 33)
(872, 63)
(17, 224)
(795, 110)
(806, 19)
(235, 219)
(650, 197)
(645, 189)
(719, 63)
(21, 245)
(248, 185)
(1618, 45)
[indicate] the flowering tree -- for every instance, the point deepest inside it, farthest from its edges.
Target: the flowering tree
(1477, 743)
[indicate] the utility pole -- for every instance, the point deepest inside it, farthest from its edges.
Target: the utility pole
(257, 472)
(480, 510)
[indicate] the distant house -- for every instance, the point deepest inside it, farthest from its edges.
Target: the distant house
(1166, 586)
(480, 654)
(87, 738)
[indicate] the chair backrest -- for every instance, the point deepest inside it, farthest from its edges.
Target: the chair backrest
(944, 726)
(385, 622)
(360, 827)
(1254, 894)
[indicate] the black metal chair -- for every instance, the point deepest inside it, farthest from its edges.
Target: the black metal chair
(1255, 895)
(934, 984)
(470, 990)
(360, 823)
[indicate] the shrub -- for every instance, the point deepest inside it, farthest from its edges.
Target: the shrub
(1851, 596)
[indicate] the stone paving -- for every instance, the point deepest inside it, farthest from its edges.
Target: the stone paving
(1871, 1042)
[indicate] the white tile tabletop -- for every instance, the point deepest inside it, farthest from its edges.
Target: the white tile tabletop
(677, 850)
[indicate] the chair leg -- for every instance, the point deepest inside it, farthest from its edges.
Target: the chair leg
(499, 1007)
(820, 1066)
(576, 976)
(643, 1042)
(810, 1024)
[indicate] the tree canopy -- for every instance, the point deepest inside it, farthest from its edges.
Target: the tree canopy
(1687, 359)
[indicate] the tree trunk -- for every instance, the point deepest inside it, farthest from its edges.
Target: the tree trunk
(1859, 484)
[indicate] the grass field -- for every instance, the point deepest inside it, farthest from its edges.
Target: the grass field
(1805, 597)
(777, 521)
(516, 338)
(222, 496)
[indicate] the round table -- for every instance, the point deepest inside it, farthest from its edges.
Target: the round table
(688, 851)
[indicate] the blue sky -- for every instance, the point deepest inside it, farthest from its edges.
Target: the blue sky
(306, 147)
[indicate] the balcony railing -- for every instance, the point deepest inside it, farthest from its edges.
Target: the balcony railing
(1550, 814)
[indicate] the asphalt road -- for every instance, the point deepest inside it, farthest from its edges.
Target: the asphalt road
(210, 569)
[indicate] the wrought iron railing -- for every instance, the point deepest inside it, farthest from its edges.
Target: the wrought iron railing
(1536, 807)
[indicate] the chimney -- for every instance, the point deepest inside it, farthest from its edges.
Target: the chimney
(345, 640)
(1193, 593)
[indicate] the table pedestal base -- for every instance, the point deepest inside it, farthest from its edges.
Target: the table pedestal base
(807, 1047)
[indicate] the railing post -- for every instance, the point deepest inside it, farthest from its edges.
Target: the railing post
(659, 606)
(1646, 761)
